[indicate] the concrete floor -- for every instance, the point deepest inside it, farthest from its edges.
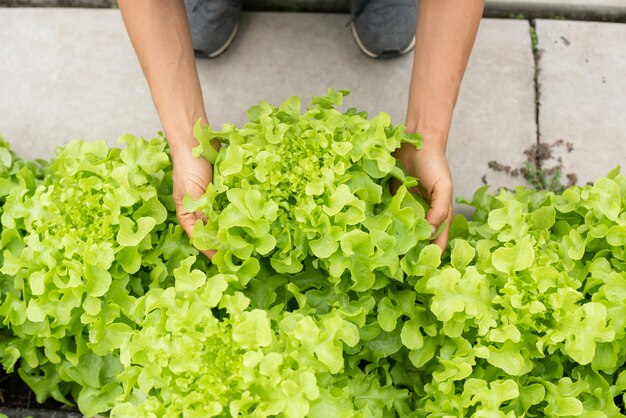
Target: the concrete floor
(71, 73)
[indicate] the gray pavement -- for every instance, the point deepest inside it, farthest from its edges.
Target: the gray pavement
(67, 74)
(582, 79)
(71, 73)
(606, 9)
(603, 9)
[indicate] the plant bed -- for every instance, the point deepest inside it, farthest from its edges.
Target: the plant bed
(37, 413)
(325, 298)
(17, 400)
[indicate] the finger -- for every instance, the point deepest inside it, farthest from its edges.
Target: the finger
(442, 239)
(419, 192)
(203, 217)
(208, 253)
(187, 220)
(394, 185)
(440, 207)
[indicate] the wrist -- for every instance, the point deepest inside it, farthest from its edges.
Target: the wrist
(433, 140)
(179, 133)
(181, 140)
(433, 129)
(433, 148)
(181, 147)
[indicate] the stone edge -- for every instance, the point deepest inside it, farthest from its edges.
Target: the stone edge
(605, 10)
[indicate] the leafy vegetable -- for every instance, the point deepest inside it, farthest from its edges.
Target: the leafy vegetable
(241, 361)
(292, 186)
(325, 298)
(78, 247)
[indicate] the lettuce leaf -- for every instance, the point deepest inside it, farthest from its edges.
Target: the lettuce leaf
(325, 297)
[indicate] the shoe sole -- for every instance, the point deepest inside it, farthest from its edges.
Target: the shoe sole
(226, 44)
(370, 54)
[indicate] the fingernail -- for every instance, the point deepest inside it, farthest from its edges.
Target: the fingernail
(433, 230)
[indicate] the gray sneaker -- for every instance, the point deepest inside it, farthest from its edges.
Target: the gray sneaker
(213, 25)
(384, 28)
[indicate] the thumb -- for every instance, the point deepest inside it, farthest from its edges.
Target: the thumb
(440, 204)
(187, 220)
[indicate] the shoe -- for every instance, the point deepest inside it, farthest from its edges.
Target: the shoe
(384, 28)
(213, 25)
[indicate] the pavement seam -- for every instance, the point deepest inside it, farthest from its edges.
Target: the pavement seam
(534, 42)
(544, 177)
(555, 13)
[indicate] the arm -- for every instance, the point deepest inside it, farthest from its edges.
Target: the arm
(159, 32)
(445, 34)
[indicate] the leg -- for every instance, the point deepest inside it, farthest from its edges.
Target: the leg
(213, 25)
(384, 28)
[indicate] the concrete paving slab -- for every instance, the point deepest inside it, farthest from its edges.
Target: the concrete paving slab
(571, 8)
(68, 74)
(72, 74)
(597, 9)
(606, 8)
(495, 116)
(583, 93)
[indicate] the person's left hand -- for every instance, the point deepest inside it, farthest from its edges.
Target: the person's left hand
(430, 166)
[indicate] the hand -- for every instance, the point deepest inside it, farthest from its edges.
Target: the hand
(190, 175)
(430, 167)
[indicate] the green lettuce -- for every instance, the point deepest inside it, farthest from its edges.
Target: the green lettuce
(291, 186)
(79, 246)
(203, 352)
(325, 297)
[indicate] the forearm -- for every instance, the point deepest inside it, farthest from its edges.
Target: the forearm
(445, 34)
(159, 32)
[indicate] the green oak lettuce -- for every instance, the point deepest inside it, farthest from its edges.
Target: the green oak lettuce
(325, 297)
(530, 305)
(202, 351)
(291, 186)
(78, 247)
(507, 297)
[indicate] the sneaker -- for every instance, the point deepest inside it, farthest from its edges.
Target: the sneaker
(384, 28)
(213, 25)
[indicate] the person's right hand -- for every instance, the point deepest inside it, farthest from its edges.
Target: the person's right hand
(190, 175)
(430, 166)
